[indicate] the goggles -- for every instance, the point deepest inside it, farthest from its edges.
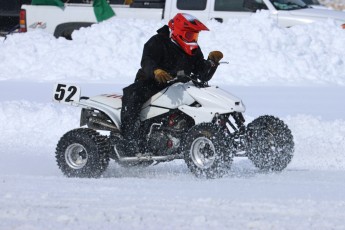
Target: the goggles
(190, 36)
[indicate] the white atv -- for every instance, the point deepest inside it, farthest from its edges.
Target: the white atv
(190, 120)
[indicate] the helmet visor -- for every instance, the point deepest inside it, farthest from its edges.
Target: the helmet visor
(190, 36)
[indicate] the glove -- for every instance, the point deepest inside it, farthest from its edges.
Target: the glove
(215, 56)
(162, 76)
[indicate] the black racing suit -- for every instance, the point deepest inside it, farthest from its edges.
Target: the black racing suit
(160, 52)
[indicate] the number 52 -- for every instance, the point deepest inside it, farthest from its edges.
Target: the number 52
(66, 93)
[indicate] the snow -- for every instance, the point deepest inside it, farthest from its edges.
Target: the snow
(296, 74)
(297, 56)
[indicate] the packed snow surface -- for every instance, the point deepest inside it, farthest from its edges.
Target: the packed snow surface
(297, 74)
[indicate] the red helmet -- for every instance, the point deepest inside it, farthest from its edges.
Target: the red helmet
(185, 29)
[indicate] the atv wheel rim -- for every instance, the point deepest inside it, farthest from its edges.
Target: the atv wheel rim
(76, 156)
(203, 152)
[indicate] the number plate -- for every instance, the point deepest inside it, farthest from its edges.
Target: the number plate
(64, 93)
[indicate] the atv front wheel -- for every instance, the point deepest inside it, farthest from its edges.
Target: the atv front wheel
(270, 143)
(82, 153)
(205, 151)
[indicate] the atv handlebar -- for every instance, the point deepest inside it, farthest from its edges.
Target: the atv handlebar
(184, 78)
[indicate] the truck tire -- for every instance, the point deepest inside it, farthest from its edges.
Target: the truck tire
(82, 153)
(65, 30)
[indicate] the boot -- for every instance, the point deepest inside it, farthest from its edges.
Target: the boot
(128, 148)
(132, 148)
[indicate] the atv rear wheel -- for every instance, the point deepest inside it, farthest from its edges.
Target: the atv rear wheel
(270, 143)
(82, 153)
(206, 151)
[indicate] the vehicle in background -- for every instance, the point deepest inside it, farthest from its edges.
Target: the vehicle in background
(315, 4)
(77, 14)
(9, 15)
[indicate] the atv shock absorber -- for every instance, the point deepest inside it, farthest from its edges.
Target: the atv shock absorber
(239, 120)
(239, 134)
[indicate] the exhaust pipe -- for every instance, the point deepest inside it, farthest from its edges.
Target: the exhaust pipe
(147, 158)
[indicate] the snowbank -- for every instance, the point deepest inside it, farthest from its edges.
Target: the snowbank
(259, 52)
(38, 126)
(319, 144)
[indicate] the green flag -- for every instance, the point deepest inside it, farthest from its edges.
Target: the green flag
(58, 3)
(102, 10)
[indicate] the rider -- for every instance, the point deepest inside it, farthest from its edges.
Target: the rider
(172, 49)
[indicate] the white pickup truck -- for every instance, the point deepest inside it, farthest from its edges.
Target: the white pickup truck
(79, 13)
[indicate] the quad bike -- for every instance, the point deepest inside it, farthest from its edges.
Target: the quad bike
(188, 120)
